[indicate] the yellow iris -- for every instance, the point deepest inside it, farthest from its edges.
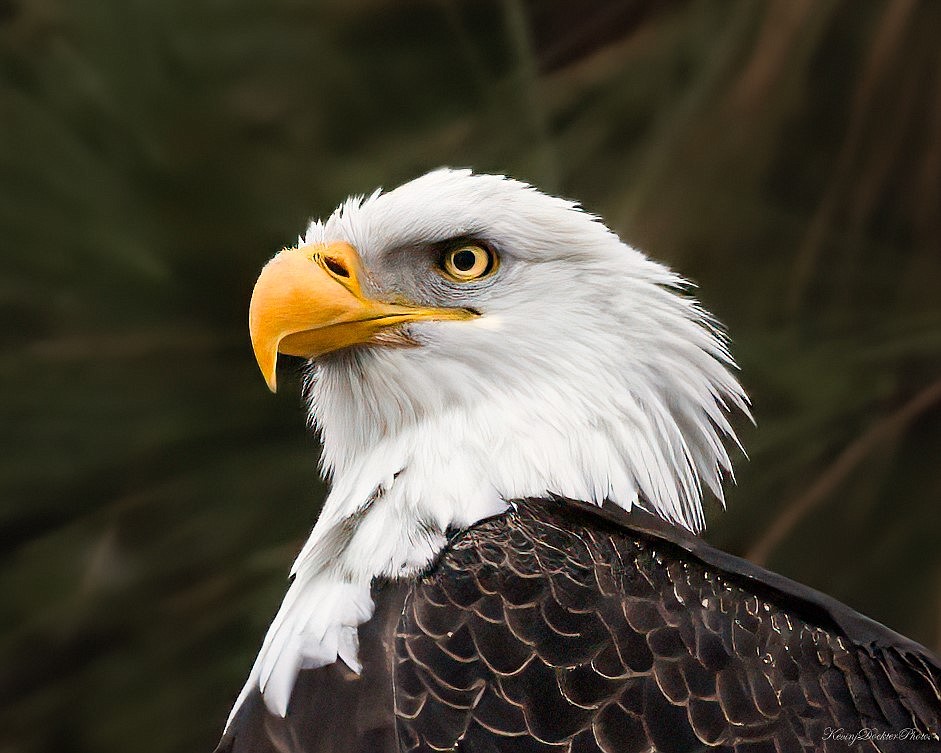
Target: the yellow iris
(466, 263)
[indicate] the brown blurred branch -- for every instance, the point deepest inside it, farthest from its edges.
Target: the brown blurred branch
(676, 120)
(889, 35)
(528, 83)
(785, 23)
(851, 457)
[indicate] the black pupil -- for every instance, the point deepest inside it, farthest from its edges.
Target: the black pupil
(464, 260)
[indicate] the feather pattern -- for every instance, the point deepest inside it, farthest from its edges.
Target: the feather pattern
(558, 627)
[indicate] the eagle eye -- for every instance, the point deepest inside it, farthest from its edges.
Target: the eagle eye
(468, 262)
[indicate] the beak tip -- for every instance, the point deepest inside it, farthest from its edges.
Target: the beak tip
(266, 356)
(269, 370)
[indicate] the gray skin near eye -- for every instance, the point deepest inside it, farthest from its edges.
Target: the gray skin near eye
(413, 273)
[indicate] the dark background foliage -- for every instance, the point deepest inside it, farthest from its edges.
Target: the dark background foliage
(784, 154)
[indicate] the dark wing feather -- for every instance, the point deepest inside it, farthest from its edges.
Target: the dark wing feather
(559, 627)
(332, 709)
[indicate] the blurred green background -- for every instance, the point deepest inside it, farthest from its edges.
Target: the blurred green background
(784, 154)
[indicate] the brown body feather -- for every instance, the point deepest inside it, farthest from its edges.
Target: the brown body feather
(557, 627)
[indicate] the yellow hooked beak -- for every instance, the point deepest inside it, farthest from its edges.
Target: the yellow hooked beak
(308, 301)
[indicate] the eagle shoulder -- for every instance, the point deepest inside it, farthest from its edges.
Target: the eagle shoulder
(558, 627)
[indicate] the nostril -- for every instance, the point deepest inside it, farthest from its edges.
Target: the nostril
(336, 266)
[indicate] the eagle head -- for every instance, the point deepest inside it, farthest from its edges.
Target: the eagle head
(471, 325)
(475, 341)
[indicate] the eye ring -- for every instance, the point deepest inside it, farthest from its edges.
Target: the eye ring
(468, 262)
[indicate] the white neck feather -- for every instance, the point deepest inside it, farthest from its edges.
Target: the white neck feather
(624, 398)
(630, 416)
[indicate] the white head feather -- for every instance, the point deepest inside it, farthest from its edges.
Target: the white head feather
(589, 374)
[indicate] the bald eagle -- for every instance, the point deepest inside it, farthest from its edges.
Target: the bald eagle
(519, 415)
